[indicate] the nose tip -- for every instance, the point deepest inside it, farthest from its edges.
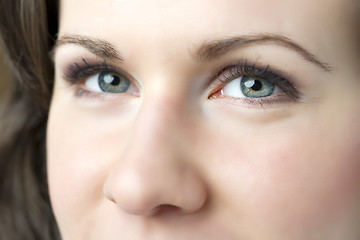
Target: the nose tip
(138, 195)
(130, 196)
(157, 170)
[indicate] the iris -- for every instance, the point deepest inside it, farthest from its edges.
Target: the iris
(256, 87)
(113, 83)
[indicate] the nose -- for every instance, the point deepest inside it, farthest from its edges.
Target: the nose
(155, 174)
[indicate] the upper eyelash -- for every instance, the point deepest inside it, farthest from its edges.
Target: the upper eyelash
(242, 68)
(76, 72)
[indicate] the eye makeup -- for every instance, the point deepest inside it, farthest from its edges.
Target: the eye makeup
(78, 72)
(287, 91)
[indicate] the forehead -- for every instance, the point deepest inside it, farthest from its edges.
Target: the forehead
(216, 13)
(142, 22)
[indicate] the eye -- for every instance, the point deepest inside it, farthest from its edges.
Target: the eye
(258, 84)
(249, 86)
(108, 82)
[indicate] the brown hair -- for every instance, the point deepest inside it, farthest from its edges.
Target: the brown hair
(27, 31)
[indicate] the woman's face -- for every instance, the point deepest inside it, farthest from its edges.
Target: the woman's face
(206, 119)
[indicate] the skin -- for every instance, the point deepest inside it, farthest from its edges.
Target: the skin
(164, 161)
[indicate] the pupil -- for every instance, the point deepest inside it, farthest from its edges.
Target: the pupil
(115, 81)
(111, 79)
(257, 85)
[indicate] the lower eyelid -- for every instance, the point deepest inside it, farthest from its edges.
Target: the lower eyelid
(276, 100)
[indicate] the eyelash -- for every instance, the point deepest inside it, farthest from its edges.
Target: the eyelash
(243, 68)
(76, 73)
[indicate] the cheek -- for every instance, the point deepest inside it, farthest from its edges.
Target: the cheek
(80, 153)
(288, 181)
(304, 183)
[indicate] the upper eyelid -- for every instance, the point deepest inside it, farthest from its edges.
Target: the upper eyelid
(74, 73)
(90, 68)
(78, 70)
(227, 73)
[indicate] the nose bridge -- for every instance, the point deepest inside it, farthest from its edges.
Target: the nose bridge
(161, 117)
(154, 142)
(153, 170)
(156, 121)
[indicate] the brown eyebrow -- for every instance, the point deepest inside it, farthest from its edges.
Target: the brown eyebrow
(208, 50)
(214, 49)
(96, 46)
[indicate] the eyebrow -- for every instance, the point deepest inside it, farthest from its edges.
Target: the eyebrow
(99, 47)
(206, 52)
(217, 48)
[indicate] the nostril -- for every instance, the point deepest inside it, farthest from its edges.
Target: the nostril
(112, 199)
(107, 194)
(135, 190)
(165, 209)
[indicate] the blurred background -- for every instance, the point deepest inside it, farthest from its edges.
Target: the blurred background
(4, 78)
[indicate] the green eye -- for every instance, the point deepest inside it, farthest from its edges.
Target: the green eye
(256, 87)
(113, 83)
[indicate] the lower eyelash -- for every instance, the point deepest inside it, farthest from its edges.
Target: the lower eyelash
(257, 102)
(80, 92)
(78, 71)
